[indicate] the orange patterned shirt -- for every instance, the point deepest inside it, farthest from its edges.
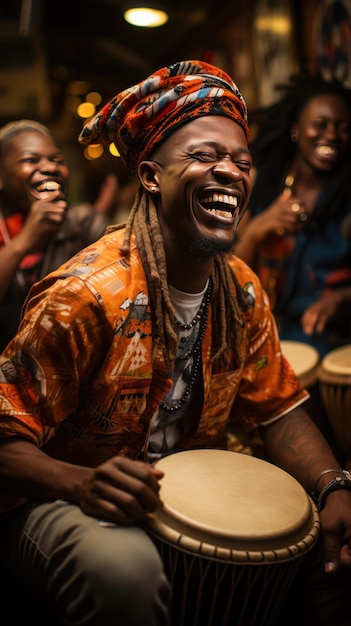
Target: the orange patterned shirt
(84, 375)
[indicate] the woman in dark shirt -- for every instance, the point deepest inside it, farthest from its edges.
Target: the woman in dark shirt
(293, 234)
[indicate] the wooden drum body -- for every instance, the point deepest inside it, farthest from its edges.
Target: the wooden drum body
(335, 389)
(233, 532)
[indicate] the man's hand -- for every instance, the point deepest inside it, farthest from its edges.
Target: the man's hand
(121, 490)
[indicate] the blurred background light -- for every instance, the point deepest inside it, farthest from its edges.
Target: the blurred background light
(86, 109)
(112, 148)
(94, 97)
(94, 151)
(146, 17)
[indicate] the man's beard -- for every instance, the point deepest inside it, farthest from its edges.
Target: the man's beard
(206, 247)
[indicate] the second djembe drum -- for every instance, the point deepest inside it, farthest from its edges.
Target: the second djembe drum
(335, 388)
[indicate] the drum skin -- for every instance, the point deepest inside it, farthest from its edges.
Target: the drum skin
(335, 389)
(232, 533)
(304, 360)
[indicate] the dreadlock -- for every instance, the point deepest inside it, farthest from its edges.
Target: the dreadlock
(273, 151)
(227, 308)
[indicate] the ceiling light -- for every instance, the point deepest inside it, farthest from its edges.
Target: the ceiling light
(147, 17)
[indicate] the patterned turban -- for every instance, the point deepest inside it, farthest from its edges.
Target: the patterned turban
(139, 118)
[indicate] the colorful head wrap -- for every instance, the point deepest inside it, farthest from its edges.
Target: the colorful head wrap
(139, 118)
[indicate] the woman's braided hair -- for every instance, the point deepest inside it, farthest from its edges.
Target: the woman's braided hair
(227, 308)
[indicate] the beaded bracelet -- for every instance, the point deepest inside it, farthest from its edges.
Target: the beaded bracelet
(333, 485)
(327, 471)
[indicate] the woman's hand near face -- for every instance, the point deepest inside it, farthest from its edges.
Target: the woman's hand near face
(281, 217)
(42, 223)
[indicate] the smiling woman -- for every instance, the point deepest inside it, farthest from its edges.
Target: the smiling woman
(292, 232)
(38, 229)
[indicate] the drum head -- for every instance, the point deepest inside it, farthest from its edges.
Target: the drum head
(304, 360)
(338, 361)
(218, 502)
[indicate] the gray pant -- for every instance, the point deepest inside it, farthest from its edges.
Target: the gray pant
(83, 571)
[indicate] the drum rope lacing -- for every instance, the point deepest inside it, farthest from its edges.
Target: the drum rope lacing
(195, 352)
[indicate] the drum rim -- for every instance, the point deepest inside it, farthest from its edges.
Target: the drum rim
(224, 554)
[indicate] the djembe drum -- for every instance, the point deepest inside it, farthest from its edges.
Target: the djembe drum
(335, 389)
(305, 361)
(232, 534)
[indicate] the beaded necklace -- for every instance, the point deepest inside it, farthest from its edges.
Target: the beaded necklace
(195, 352)
(198, 315)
